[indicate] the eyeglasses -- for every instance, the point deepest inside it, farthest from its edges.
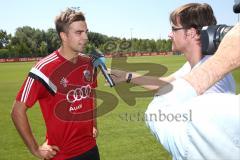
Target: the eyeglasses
(176, 29)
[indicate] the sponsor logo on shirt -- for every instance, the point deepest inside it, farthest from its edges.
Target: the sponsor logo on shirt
(64, 82)
(78, 94)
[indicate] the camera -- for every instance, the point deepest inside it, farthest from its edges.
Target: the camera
(211, 36)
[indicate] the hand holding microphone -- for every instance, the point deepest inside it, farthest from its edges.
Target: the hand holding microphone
(98, 60)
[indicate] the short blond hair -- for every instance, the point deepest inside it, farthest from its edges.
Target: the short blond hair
(67, 17)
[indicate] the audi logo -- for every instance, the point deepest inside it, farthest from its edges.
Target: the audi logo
(78, 94)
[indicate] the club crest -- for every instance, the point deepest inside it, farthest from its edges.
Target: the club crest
(87, 75)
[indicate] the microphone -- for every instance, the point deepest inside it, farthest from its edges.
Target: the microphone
(98, 60)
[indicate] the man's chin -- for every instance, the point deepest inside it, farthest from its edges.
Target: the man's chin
(79, 50)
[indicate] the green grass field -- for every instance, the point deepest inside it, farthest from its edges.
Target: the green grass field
(119, 139)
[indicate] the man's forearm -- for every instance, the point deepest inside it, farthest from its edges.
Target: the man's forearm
(21, 123)
(149, 82)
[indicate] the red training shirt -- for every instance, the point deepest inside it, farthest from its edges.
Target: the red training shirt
(65, 93)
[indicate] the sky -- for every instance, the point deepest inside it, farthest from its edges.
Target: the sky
(120, 18)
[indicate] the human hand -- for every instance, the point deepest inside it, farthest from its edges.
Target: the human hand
(118, 76)
(46, 151)
(95, 132)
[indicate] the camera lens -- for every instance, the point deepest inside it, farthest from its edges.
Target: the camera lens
(211, 36)
(222, 31)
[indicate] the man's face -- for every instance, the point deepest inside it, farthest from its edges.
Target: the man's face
(178, 37)
(76, 37)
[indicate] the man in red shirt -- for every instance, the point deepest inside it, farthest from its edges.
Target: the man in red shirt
(63, 83)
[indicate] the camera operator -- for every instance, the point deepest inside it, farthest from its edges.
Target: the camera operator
(214, 130)
(186, 21)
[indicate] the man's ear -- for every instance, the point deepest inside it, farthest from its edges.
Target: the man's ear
(63, 36)
(192, 32)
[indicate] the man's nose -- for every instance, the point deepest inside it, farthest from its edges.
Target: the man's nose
(170, 35)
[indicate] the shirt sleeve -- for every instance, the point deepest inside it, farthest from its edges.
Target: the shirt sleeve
(185, 69)
(30, 92)
(170, 132)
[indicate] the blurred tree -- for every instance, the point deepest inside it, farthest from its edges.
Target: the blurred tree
(31, 42)
(4, 39)
(52, 40)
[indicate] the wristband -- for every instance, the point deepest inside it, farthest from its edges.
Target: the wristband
(129, 78)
